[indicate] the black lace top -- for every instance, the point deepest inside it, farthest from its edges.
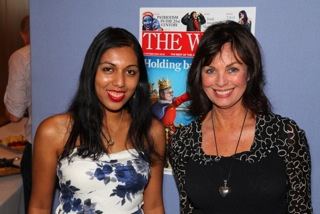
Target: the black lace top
(273, 177)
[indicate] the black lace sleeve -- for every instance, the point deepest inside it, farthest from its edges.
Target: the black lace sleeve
(179, 150)
(298, 167)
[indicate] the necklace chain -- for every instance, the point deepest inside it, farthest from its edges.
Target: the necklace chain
(225, 189)
(110, 141)
(215, 139)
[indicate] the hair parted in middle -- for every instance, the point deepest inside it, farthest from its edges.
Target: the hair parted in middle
(87, 112)
(246, 47)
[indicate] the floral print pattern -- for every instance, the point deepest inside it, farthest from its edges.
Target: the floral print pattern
(72, 203)
(130, 181)
(118, 182)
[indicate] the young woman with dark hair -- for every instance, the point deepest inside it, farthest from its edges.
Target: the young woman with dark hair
(237, 156)
(244, 20)
(107, 149)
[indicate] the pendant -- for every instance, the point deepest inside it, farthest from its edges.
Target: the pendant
(110, 142)
(224, 190)
(217, 158)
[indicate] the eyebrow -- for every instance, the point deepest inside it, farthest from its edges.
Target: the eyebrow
(114, 65)
(105, 62)
(233, 63)
(229, 65)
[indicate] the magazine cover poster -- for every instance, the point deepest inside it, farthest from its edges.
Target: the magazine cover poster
(193, 19)
(169, 38)
(167, 78)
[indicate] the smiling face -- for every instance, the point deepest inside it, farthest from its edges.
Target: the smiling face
(224, 80)
(147, 22)
(117, 77)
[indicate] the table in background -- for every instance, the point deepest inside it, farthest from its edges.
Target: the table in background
(11, 189)
(12, 129)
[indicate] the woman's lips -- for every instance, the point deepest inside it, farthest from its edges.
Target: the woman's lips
(223, 93)
(116, 96)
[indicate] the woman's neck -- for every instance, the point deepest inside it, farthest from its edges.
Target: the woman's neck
(229, 118)
(115, 119)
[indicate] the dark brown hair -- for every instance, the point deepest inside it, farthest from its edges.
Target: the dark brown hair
(246, 47)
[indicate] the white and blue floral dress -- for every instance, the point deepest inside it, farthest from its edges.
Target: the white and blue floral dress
(113, 184)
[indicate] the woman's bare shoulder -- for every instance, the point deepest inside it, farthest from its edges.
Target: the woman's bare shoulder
(55, 128)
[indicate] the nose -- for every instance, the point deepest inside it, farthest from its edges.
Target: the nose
(221, 79)
(119, 79)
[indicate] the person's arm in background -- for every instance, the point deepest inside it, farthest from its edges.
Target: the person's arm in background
(201, 19)
(17, 97)
(170, 112)
(12, 117)
(185, 19)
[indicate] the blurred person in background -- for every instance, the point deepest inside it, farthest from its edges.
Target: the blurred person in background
(17, 99)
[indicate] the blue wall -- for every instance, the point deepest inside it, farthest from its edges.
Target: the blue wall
(288, 31)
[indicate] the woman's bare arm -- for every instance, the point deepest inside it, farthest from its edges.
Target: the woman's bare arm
(48, 144)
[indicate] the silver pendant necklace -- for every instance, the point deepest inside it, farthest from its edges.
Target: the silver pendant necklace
(225, 188)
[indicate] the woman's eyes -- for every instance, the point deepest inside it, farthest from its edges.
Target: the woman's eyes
(232, 70)
(212, 70)
(107, 69)
(132, 72)
(208, 70)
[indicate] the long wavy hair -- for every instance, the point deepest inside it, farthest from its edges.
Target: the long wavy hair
(245, 16)
(87, 112)
(246, 47)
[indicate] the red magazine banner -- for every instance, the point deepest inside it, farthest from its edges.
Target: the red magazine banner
(170, 43)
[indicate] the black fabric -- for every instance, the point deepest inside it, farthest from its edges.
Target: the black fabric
(273, 177)
(255, 188)
(26, 172)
